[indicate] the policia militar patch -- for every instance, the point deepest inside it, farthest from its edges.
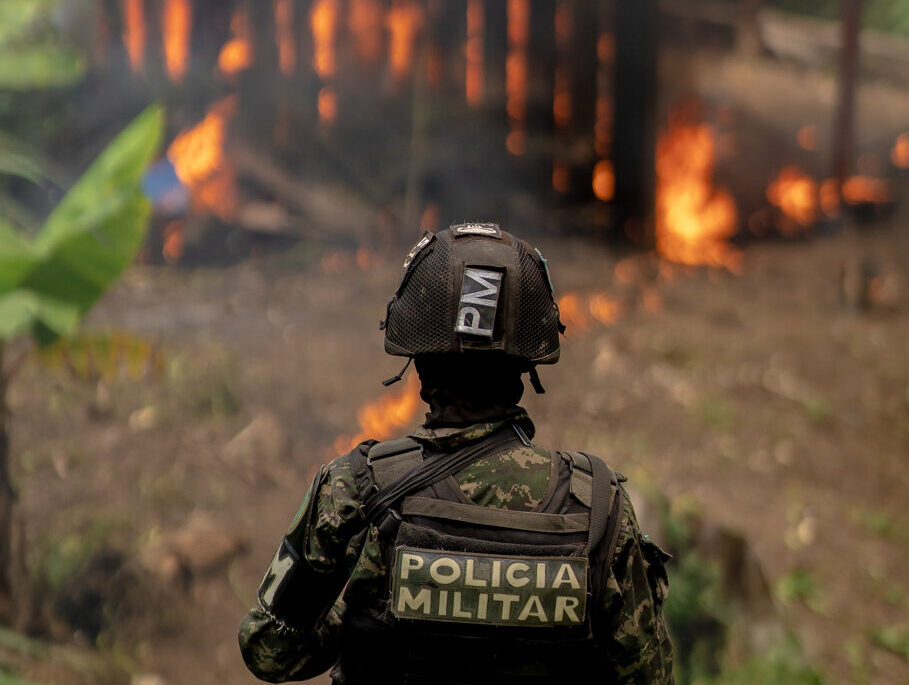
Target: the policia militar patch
(433, 585)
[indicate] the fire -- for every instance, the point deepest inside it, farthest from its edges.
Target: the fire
(172, 250)
(561, 100)
(572, 312)
(134, 32)
(604, 309)
(899, 155)
(365, 20)
(693, 218)
(199, 162)
(404, 21)
(807, 137)
(796, 194)
(237, 53)
(830, 197)
(327, 104)
(576, 311)
(177, 25)
(604, 180)
(340, 262)
(323, 19)
(866, 190)
(516, 73)
(474, 79)
(284, 36)
(383, 418)
(561, 177)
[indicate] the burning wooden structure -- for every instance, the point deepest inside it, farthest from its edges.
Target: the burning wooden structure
(351, 119)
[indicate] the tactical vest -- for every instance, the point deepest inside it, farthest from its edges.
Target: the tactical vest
(479, 594)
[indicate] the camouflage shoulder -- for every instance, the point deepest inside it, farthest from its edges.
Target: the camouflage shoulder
(517, 478)
(341, 486)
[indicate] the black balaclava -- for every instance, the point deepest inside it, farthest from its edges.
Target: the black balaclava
(463, 389)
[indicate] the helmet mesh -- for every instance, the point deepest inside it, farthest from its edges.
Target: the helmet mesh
(537, 333)
(423, 321)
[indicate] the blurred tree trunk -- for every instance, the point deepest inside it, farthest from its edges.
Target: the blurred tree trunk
(7, 500)
(748, 32)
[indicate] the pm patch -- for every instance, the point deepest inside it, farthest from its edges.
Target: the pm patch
(460, 587)
(479, 302)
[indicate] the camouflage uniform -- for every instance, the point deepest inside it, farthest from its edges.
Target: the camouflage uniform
(515, 479)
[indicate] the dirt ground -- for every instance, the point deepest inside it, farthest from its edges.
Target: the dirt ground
(758, 397)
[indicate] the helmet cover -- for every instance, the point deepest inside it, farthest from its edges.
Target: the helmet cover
(474, 286)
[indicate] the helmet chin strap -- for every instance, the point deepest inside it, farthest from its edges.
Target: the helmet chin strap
(399, 376)
(535, 381)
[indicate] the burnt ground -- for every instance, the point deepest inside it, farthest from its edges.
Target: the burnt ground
(758, 398)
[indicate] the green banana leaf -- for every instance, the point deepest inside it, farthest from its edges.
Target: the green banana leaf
(48, 285)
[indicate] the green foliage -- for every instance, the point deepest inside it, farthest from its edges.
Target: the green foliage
(884, 524)
(46, 286)
(104, 356)
(893, 638)
(59, 558)
(783, 665)
(891, 16)
(801, 585)
(715, 412)
(31, 53)
(696, 612)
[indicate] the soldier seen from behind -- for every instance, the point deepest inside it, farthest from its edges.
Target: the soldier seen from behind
(465, 553)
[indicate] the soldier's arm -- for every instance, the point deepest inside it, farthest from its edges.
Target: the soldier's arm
(292, 633)
(635, 591)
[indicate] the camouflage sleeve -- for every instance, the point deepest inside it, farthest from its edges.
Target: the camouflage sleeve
(635, 592)
(292, 633)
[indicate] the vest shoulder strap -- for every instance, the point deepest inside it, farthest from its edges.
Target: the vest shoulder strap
(596, 485)
(391, 459)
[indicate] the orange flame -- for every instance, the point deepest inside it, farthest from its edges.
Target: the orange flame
(177, 24)
(604, 309)
(562, 106)
(172, 250)
(561, 177)
(516, 74)
(404, 21)
(796, 194)
(475, 77)
(572, 312)
(604, 180)
(693, 218)
(866, 190)
(237, 53)
(576, 310)
(323, 19)
(807, 137)
(899, 155)
(327, 104)
(365, 22)
(134, 32)
(284, 36)
(830, 197)
(199, 162)
(381, 419)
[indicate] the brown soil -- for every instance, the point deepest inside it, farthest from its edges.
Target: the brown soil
(760, 397)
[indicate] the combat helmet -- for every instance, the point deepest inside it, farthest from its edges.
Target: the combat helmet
(474, 287)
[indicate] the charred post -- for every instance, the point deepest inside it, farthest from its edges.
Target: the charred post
(634, 138)
(586, 31)
(844, 124)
